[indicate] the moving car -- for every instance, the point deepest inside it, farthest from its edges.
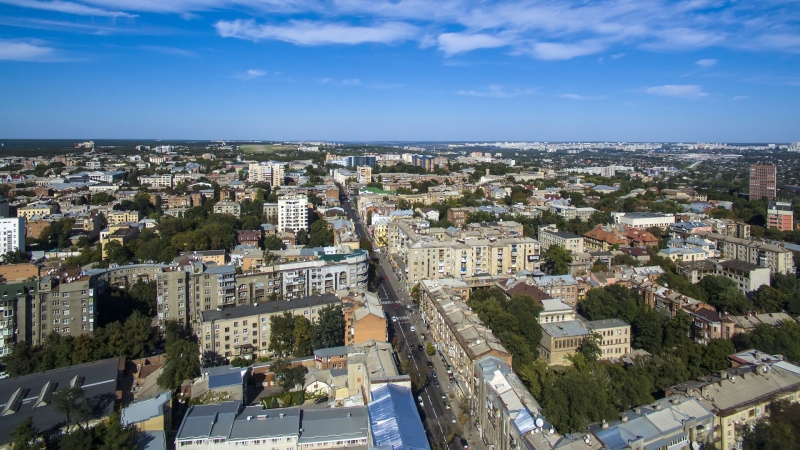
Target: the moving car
(412, 328)
(322, 399)
(394, 319)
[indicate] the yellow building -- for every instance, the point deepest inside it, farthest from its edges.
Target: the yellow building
(117, 233)
(153, 414)
(118, 217)
(37, 209)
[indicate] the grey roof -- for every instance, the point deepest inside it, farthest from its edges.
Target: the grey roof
(394, 420)
(205, 421)
(606, 323)
(565, 329)
(272, 423)
(269, 307)
(146, 409)
(332, 351)
(99, 383)
(323, 425)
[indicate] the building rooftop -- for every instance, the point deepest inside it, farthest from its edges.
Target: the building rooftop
(31, 395)
(146, 409)
(570, 328)
(269, 307)
(606, 323)
(394, 419)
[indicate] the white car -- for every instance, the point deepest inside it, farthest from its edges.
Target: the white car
(394, 319)
(412, 328)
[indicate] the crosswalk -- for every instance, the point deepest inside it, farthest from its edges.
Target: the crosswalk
(403, 318)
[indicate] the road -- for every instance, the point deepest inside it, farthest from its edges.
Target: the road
(395, 298)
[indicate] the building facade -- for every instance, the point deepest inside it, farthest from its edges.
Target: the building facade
(293, 213)
(763, 181)
(12, 234)
(780, 215)
(549, 235)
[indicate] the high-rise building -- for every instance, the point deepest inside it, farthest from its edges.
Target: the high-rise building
(355, 161)
(763, 179)
(266, 172)
(424, 161)
(293, 213)
(12, 234)
(780, 216)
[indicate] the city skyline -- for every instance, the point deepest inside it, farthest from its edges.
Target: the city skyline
(409, 70)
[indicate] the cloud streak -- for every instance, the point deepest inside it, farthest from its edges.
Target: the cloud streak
(251, 74)
(67, 8)
(24, 51)
(689, 91)
(496, 91)
(317, 33)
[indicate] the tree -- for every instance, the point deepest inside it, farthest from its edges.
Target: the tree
(302, 337)
(182, 357)
(25, 435)
(18, 256)
(775, 431)
(115, 436)
(69, 402)
(301, 237)
(273, 242)
(281, 338)
(557, 260)
(239, 362)
(769, 299)
(328, 330)
(117, 253)
(320, 234)
(288, 376)
(590, 348)
(430, 349)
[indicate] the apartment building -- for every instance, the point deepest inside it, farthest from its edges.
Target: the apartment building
(238, 426)
(643, 220)
(562, 339)
(245, 330)
(226, 207)
(16, 301)
(364, 318)
(739, 397)
(292, 213)
(562, 287)
(65, 304)
(184, 291)
(615, 337)
(37, 209)
(458, 216)
(780, 215)
(12, 234)
(776, 258)
(120, 217)
(748, 277)
(458, 333)
(158, 181)
(549, 235)
(763, 181)
(364, 174)
(266, 172)
(121, 234)
(271, 213)
(671, 423)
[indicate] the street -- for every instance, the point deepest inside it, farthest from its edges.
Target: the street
(395, 298)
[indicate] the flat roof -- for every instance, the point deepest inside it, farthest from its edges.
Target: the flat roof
(570, 328)
(269, 307)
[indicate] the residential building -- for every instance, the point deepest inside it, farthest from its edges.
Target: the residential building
(748, 277)
(458, 333)
(683, 254)
(643, 220)
(245, 330)
(739, 397)
(185, 291)
(227, 207)
(153, 414)
(266, 172)
(12, 234)
(364, 318)
(231, 425)
(357, 161)
(549, 235)
(16, 301)
(292, 213)
(99, 382)
(37, 209)
(159, 181)
(120, 217)
(364, 174)
(671, 423)
(562, 287)
(615, 337)
(249, 237)
(66, 304)
(778, 259)
(603, 238)
(562, 339)
(121, 234)
(733, 325)
(780, 215)
(555, 310)
(271, 213)
(763, 181)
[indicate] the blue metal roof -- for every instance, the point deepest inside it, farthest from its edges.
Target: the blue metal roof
(394, 420)
(228, 379)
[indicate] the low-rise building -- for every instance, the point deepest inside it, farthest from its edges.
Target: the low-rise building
(561, 340)
(643, 220)
(549, 235)
(226, 207)
(748, 277)
(120, 217)
(614, 335)
(780, 215)
(778, 259)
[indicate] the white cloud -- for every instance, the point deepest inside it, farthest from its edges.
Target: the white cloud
(690, 91)
(498, 92)
(617, 55)
(582, 97)
(740, 97)
(24, 51)
(453, 43)
(317, 33)
(251, 74)
(559, 51)
(66, 7)
(706, 62)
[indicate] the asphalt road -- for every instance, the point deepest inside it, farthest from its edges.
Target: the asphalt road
(438, 420)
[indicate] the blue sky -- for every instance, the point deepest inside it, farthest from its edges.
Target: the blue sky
(635, 70)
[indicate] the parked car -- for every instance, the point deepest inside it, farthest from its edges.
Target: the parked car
(412, 328)
(436, 383)
(322, 399)
(394, 319)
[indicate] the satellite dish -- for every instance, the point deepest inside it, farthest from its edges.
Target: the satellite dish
(539, 422)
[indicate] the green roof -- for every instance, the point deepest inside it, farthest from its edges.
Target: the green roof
(375, 190)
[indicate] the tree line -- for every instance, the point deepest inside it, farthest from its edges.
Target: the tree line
(296, 336)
